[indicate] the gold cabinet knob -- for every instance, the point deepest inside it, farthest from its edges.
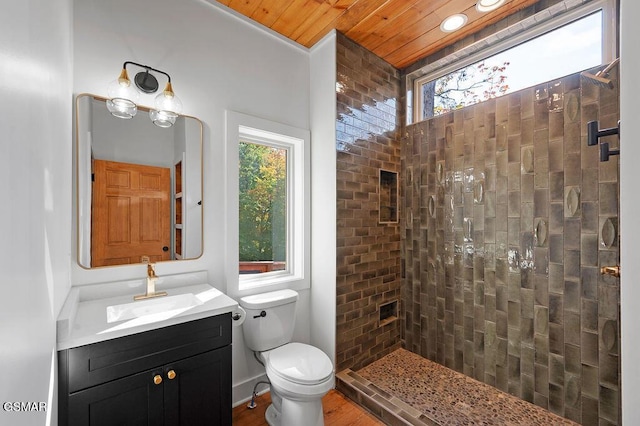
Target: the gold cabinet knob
(157, 379)
(171, 374)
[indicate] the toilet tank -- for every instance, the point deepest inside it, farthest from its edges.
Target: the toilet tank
(270, 319)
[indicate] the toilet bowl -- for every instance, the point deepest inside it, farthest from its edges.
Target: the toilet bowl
(300, 374)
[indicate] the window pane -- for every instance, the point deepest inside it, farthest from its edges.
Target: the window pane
(574, 47)
(263, 217)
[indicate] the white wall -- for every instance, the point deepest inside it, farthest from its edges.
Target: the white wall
(630, 210)
(217, 62)
(35, 182)
(323, 195)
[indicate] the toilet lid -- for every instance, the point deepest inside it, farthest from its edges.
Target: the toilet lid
(300, 363)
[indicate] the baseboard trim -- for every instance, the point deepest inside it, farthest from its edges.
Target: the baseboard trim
(241, 392)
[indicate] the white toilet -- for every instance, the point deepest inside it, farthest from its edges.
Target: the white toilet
(300, 374)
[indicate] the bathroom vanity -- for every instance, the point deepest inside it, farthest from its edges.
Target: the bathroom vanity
(161, 362)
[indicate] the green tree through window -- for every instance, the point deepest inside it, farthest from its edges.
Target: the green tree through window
(263, 195)
(469, 85)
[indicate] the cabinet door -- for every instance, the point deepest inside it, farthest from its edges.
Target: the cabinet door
(200, 392)
(131, 401)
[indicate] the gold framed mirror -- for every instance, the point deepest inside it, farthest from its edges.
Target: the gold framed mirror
(138, 187)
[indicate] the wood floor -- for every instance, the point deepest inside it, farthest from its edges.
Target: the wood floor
(338, 411)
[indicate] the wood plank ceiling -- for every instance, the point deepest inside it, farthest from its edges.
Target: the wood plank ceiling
(399, 31)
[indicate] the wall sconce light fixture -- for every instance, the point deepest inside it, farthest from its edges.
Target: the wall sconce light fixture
(123, 96)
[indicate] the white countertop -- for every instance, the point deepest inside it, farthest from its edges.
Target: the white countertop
(83, 318)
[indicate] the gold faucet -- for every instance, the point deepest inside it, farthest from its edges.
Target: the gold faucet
(151, 283)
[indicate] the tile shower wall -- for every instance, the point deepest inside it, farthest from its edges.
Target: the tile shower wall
(507, 216)
(368, 252)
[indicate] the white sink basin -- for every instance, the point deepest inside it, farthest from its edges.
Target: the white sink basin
(165, 305)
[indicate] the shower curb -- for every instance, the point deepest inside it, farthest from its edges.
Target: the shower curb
(381, 404)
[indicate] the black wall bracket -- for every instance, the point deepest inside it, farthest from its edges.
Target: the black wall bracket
(605, 152)
(594, 133)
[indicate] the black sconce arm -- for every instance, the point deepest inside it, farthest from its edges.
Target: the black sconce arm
(145, 81)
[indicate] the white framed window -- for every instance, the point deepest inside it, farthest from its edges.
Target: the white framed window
(551, 44)
(268, 201)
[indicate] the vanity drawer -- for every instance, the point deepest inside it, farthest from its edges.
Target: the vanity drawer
(101, 362)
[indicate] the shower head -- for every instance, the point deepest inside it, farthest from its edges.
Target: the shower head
(601, 78)
(597, 80)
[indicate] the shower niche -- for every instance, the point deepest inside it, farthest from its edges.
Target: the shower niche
(388, 202)
(388, 313)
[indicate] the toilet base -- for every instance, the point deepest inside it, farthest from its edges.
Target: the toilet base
(271, 416)
(296, 413)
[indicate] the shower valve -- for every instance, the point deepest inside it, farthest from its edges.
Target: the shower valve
(613, 271)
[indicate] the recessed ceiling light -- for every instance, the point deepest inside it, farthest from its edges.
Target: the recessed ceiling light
(453, 22)
(488, 5)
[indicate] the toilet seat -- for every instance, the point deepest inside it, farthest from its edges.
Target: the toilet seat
(300, 363)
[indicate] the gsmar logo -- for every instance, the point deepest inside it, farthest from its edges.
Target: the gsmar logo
(24, 406)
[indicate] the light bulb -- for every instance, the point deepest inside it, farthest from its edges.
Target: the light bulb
(167, 107)
(122, 97)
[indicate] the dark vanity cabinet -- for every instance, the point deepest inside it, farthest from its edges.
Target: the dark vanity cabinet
(177, 375)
